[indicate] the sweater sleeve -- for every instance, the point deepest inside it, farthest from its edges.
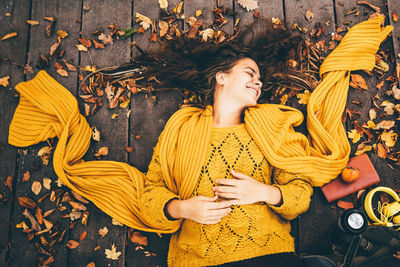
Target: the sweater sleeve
(296, 193)
(156, 194)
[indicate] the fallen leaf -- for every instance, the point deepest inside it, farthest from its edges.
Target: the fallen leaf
(396, 92)
(198, 13)
(138, 238)
(72, 244)
(62, 72)
(54, 48)
(362, 2)
(97, 45)
(85, 41)
(112, 254)
(249, 5)
(207, 33)
(47, 183)
(103, 151)
(163, 27)
(385, 125)
(354, 135)
(145, 22)
(26, 202)
(62, 33)
(113, 116)
(395, 17)
(358, 82)
(129, 149)
(47, 213)
(36, 187)
(309, 15)
(81, 48)
(345, 205)
(361, 148)
(382, 152)
(9, 35)
(4, 81)
(82, 235)
(34, 223)
(69, 66)
(103, 231)
(95, 134)
(79, 197)
(178, 8)
(304, 98)
(9, 183)
(26, 176)
(38, 215)
(22, 225)
(107, 40)
(163, 4)
(115, 222)
(91, 264)
(389, 138)
(77, 205)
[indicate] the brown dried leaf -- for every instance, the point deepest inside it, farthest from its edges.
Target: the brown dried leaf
(85, 41)
(69, 66)
(377, 9)
(72, 244)
(47, 213)
(85, 216)
(9, 35)
(107, 40)
(138, 238)
(98, 45)
(129, 149)
(26, 202)
(9, 183)
(163, 27)
(358, 82)
(81, 48)
(54, 48)
(309, 15)
(4, 81)
(50, 27)
(62, 72)
(103, 151)
(395, 17)
(103, 231)
(35, 224)
(382, 151)
(82, 235)
(36, 187)
(91, 264)
(38, 215)
(76, 205)
(249, 5)
(32, 22)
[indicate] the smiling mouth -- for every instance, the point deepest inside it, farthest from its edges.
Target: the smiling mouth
(254, 91)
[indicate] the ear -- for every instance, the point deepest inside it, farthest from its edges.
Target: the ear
(220, 78)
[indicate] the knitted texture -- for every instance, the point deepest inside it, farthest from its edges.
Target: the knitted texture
(249, 230)
(48, 110)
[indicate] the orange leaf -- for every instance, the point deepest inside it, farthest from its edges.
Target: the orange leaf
(358, 82)
(139, 238)
(345, 205)
(26, 176)
(9, 35)
(26, 202)
(72, 244)
(83, 235)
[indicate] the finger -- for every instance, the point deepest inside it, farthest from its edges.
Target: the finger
(207, 199)
(219, 213)
(230, 182)
(239, 175)
(231, 202)
(218, 206)
(228, 195)
(224, 189)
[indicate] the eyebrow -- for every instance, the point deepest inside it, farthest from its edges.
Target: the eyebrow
(252, 70)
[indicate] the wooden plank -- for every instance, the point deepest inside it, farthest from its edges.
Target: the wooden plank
(267, 10)
(114, 133)
(40, 43)
(394, 9)
(14, 49)
(319, 216)
(228, 4)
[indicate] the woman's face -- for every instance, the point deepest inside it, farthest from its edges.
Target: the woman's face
(241, 85)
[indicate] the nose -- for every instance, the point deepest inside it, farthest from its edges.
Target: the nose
(257, 82)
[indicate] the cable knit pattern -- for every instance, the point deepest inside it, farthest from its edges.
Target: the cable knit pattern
(249, 230)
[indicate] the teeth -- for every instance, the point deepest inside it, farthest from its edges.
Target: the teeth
(254, 91)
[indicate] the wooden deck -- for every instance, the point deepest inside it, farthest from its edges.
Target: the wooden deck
(313, 230)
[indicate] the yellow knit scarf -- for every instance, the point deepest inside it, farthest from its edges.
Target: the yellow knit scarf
(47, 110)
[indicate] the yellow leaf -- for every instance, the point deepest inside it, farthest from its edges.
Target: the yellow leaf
(95, 134)
(354, 135)
(113, 116)
(304, 98)
(371, 124)
(178, 8)
(384, 125)
(144, 21)
(9, 35)
(276, 21)
(125, 103)
(103, 231)
(198, 13)
(46, 183)
(163, 27)
(32, 22)
(207, 33)
(22, 225)
(89, 68)
(62, 33)
(4, 81)
(112, 254)
(389, 138)
(115, 222)
(163, 4)
(363, 149)
(36, 187)
(62, 72)
(283, 99)
(81, 48)
(103, 151)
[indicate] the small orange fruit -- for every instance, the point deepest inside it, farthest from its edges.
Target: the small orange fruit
(350, 174)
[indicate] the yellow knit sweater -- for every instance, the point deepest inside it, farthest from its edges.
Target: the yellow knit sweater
(248, 230)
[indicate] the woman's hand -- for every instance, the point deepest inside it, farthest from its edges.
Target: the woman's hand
(200, 209)
(246, 190)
